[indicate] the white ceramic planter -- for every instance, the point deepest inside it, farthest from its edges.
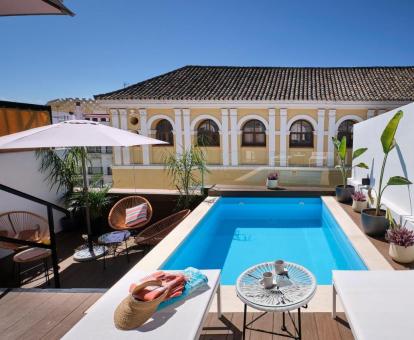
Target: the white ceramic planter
(359, 205)
(401, 254)
(271, 183)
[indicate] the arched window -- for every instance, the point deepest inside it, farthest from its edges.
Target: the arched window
(208, 133)
(301, 134)
(346, 128)
(254, 133)
(164, 131)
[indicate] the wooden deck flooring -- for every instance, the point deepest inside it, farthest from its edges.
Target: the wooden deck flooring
(49, 314)
(42, 314)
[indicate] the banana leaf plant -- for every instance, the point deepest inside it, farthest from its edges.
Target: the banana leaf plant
(340, 146)
(388, 144)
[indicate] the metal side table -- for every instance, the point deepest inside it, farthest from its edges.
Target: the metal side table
(292, 290)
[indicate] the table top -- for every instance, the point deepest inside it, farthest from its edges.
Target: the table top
(289, 292)
(114, 237)
(181, 320)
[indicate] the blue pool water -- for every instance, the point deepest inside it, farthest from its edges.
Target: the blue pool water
(240, 232)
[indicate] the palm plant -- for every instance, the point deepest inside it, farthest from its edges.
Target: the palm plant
(63, 167)
(187, 171)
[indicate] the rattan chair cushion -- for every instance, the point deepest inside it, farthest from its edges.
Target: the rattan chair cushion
(31, 254)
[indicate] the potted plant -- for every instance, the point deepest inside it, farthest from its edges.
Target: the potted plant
(374, 220)
(272, 180)
(359, 201)
(401, 241)
(99, 202)
(343, 191)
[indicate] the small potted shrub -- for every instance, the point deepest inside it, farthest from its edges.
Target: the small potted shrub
(272, 180)
(343, 191)
(359, 201)
(374, 220)
(401, 241)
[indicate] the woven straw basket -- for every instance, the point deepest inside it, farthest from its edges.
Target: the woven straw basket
(132, 313)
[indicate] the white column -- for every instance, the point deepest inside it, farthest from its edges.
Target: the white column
(321, 137)
(331, 133)
(115, 124)
(144, 132)
(187, 129)
(225, 136)
(272, 137)
(178, 133)
(370, 114)
(233, 136)
(283, 134)
(124, 126)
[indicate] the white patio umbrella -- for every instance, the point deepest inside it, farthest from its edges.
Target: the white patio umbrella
(76, 133)
(33, 7)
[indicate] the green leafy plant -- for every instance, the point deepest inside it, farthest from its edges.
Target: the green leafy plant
(340, 146)
(388, 144)
(187, 173)
(98, 200)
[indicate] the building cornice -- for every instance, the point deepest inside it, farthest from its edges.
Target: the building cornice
(240, 104)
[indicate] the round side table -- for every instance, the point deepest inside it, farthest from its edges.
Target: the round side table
(291, 290)
(113, 239)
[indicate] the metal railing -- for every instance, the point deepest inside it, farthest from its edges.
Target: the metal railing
(52, 245)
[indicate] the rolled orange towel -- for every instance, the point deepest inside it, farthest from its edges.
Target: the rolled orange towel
(174, 283)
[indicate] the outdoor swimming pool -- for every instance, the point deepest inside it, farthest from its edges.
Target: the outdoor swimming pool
(238, 233)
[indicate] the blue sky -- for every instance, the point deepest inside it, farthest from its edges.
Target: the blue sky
(112, 42)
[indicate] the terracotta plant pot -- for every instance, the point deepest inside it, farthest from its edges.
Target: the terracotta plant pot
(272, 183)
(374, 225)
(401, 254)
(344, 195)
(358, 206)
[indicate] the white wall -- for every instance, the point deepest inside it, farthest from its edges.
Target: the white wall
(19, 170)
(400, 199)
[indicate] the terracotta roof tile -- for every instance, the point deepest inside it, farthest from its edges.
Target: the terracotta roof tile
(275, 83)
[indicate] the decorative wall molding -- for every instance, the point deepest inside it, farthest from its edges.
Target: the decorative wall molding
(272, 139)
(156, 117)
(320, 137)
(187, 129)
(225, 136)
(178, 133)
(202, 117)
(115, 124)
(145, 126)
(234, 144)
(283, 134)
(245, 119)
(347, 117)
(302, 117)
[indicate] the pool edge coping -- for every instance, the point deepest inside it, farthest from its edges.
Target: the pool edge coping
(163, 250)
(368, 253)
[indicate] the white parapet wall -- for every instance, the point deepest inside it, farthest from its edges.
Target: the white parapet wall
(20, 170)
(400, 199)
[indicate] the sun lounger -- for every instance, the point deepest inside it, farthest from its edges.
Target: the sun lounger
(377, 304)
(181, 320)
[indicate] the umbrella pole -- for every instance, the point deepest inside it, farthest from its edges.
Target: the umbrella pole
(91, 252)
(85, 192)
